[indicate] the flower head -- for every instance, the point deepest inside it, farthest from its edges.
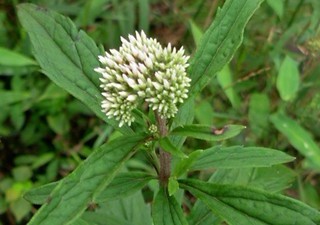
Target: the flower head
(143, 71)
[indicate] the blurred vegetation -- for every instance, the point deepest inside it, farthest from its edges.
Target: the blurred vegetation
(272, 80)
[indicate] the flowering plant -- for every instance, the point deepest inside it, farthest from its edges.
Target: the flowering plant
(147, 96)
(143, 71)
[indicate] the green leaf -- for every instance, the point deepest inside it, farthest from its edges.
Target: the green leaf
(12, 58)
(208, 133)
(185, 115)
(298, 137)
(59, 123)
(272, 179)
(277, 6)
(196, 32)
(201, 215)
(22, 173)
(144, 13)
(122, 185)
(166, 210)
(20, 209)
(240, 205)
(90, 11)
(225, 80)
(167, 146)
(126, 211)
(42, 160)
(204, 112)
(72, 195)
(288, 79)
(67, 56)
(10, 97)
(239, 157)
(40, 195)
(184, 164)
(220, 41)
(173, 186)
(259, 110)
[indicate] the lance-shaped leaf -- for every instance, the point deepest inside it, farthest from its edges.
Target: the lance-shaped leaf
(67, 56)
(208, 133)
(220, 41)
(166, 210)
(240, 157)
(300, 138)
(82, 187)
(272, 179)
(122, 185)
(240, 205)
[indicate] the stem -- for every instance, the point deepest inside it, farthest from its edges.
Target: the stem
(165, 157)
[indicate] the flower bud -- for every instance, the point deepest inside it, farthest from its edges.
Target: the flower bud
(142, 71)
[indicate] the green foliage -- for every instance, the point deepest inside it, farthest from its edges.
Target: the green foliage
(298, 137)
(220, 42)
(239, 157)
(11, 58)
(53, 35)
(241, 205)
(288, 79)
(73, 194)
(166, 210)
(208, 133)
(58, 150)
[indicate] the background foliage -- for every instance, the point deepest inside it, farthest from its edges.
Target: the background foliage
(271, 86)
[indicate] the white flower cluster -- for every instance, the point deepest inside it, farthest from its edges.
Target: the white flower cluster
(142, 71)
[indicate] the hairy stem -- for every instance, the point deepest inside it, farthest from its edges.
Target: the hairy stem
(164, 157)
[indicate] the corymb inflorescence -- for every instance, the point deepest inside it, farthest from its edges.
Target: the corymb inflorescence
(143, 71)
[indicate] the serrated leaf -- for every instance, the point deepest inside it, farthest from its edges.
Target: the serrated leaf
(298, 137)
(220, 41)
(239, 157)
(288, 79)
(12, 58)
(272, 179)
(67, 56)
(72, 195)
(168, 146)
(122, 185)
(208, 133)
(166, 210)
(216, 49)
(240, 205)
